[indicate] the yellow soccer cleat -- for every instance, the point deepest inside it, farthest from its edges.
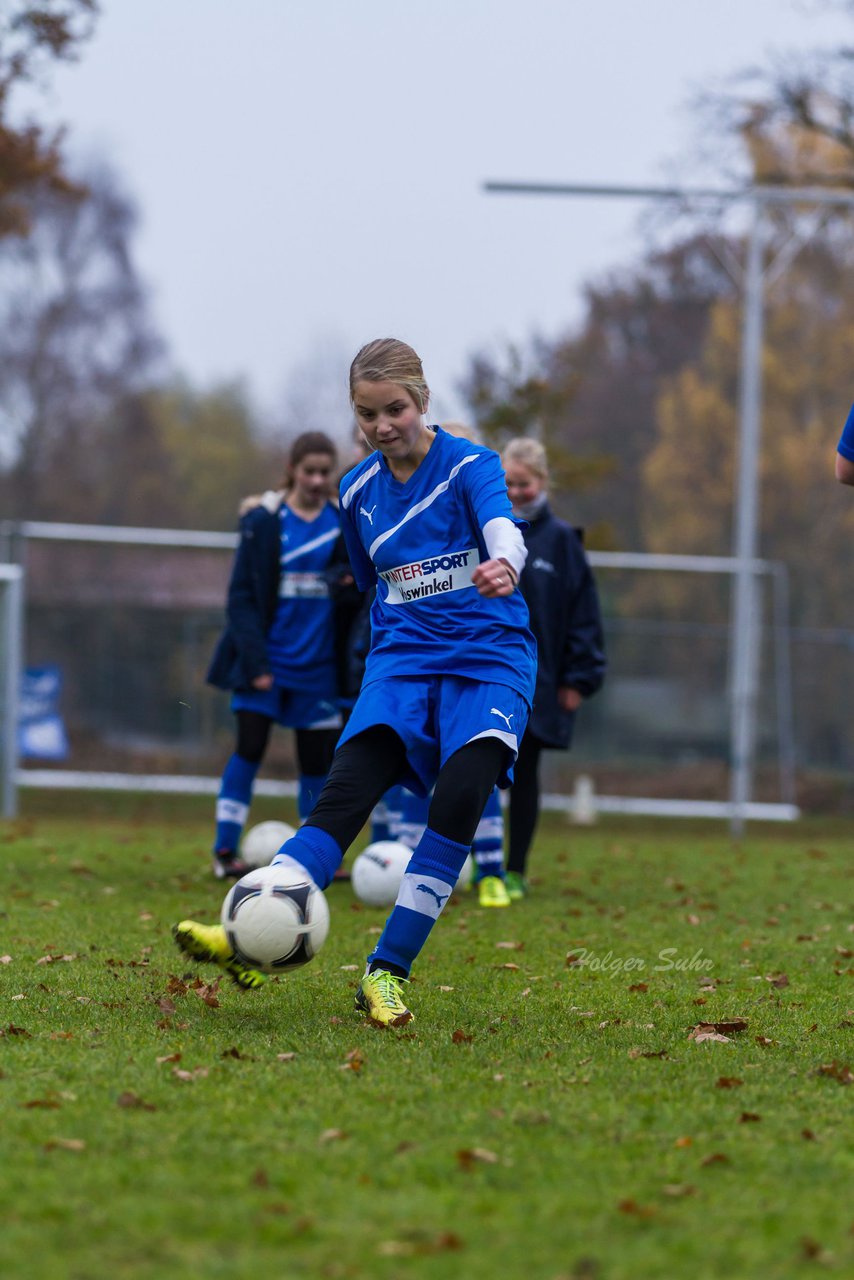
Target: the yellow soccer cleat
(379, 997)
(208, 944)
(516, 886)
(492, 892)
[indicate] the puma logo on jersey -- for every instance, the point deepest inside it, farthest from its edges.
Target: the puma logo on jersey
(539, 563)
(493, 711)
(441, 898)
(369, 515)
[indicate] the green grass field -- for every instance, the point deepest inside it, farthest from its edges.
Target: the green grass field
(540, 1118)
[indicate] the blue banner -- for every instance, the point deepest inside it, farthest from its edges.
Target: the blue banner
(41, 732)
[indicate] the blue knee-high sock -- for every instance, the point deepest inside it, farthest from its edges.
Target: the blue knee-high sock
(385, 819)
(427, 884)
(413, 819)
(232, 806)
(315, 851)
(310, 787)
(487, 848)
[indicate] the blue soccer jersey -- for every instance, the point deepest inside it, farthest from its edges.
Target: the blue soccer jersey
(301, 643)
(420, 542)
(846, 443)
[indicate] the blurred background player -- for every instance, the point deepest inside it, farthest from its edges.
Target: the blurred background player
(279, 651)
(563, 603)
(450, 673)
(845, 452)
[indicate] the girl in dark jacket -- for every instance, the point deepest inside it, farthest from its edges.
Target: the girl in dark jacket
(560, 592)
(278, 653)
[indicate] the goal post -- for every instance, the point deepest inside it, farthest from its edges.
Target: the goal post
(743, 712)
(11, 651)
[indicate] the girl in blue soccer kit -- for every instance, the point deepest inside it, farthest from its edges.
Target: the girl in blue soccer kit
(402, 816)
(450, 674)
(278, 652)
(561, 595)
(845, 452)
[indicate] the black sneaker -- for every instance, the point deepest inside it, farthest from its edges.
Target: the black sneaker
(228, 865)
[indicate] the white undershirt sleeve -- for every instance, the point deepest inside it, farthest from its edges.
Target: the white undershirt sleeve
(505, 542)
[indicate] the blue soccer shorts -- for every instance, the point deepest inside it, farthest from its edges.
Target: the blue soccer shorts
(437, 715)
(290, 708)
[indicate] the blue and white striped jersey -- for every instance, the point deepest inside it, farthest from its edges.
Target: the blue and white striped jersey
(420, 541)
(301, 642)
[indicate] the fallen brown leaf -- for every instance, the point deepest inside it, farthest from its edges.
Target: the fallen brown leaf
(470, 1156)
(420, 1245)
(461, 1037)
(637, 1210)
(777, 979)
(198, 1073)
(836, 1071)
(749, 1117)
(278, 1207)
(206, 992)
(355, 1060)
(716, 1158)
(728, 1082)
(134, 1102)
(332, 1135)
(717, 1030)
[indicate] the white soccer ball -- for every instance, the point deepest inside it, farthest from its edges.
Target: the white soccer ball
(378, 871)
(466, 873)
(261, 843)
(275, 918)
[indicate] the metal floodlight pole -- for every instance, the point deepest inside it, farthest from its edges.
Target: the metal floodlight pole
(745, 619)
(11, 620)
(745, 612)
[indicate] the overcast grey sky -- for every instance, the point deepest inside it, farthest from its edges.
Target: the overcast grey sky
(308, 171)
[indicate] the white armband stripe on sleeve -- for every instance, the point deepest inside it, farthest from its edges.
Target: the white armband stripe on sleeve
(505, 542)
